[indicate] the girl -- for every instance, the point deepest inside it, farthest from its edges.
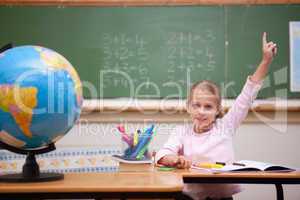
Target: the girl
(209, 138)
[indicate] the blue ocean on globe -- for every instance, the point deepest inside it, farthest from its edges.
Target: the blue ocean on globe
(40, 97)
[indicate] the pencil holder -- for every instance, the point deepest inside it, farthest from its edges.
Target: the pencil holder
(135, 147)
(136, 151)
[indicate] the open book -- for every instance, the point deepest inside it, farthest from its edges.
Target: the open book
(249, 165)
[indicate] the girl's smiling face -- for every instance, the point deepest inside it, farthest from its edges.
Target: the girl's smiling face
(203, 106)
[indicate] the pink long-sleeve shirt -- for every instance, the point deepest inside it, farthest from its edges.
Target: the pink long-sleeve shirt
(214, 145)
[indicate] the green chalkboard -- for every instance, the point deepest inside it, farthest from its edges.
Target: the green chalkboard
(244, 29)
(157, 52)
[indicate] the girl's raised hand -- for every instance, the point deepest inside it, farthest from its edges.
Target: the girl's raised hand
(269, 49)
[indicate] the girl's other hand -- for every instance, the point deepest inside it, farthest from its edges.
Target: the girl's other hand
(183, 163)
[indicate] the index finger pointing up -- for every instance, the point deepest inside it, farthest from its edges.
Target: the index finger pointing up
(264, 39)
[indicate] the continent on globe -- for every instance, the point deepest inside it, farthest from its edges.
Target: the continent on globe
(58, 62)
(19, 102)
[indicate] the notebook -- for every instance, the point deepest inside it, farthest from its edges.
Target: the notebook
(249, 165)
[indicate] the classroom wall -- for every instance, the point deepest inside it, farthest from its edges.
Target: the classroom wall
(275, 142)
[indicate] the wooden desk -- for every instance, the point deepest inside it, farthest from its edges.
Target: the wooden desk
(194, 176)
(137, 181)
(99, 185)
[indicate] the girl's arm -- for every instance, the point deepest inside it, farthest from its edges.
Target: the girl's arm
(239, 110)
(171, 147)
(169, 154)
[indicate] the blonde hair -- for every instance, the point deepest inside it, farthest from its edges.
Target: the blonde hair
(212, 88)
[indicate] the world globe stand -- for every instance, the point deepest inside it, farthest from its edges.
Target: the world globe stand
(31, 170)
(6, 47)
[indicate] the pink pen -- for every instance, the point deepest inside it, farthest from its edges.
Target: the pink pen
(121, 128)
(125, 137)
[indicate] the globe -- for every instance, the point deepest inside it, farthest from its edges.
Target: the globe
(40, 97)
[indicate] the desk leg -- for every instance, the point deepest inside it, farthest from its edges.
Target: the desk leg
(279, 192)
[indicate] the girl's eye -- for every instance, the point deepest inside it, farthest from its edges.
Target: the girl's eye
(208, 107)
